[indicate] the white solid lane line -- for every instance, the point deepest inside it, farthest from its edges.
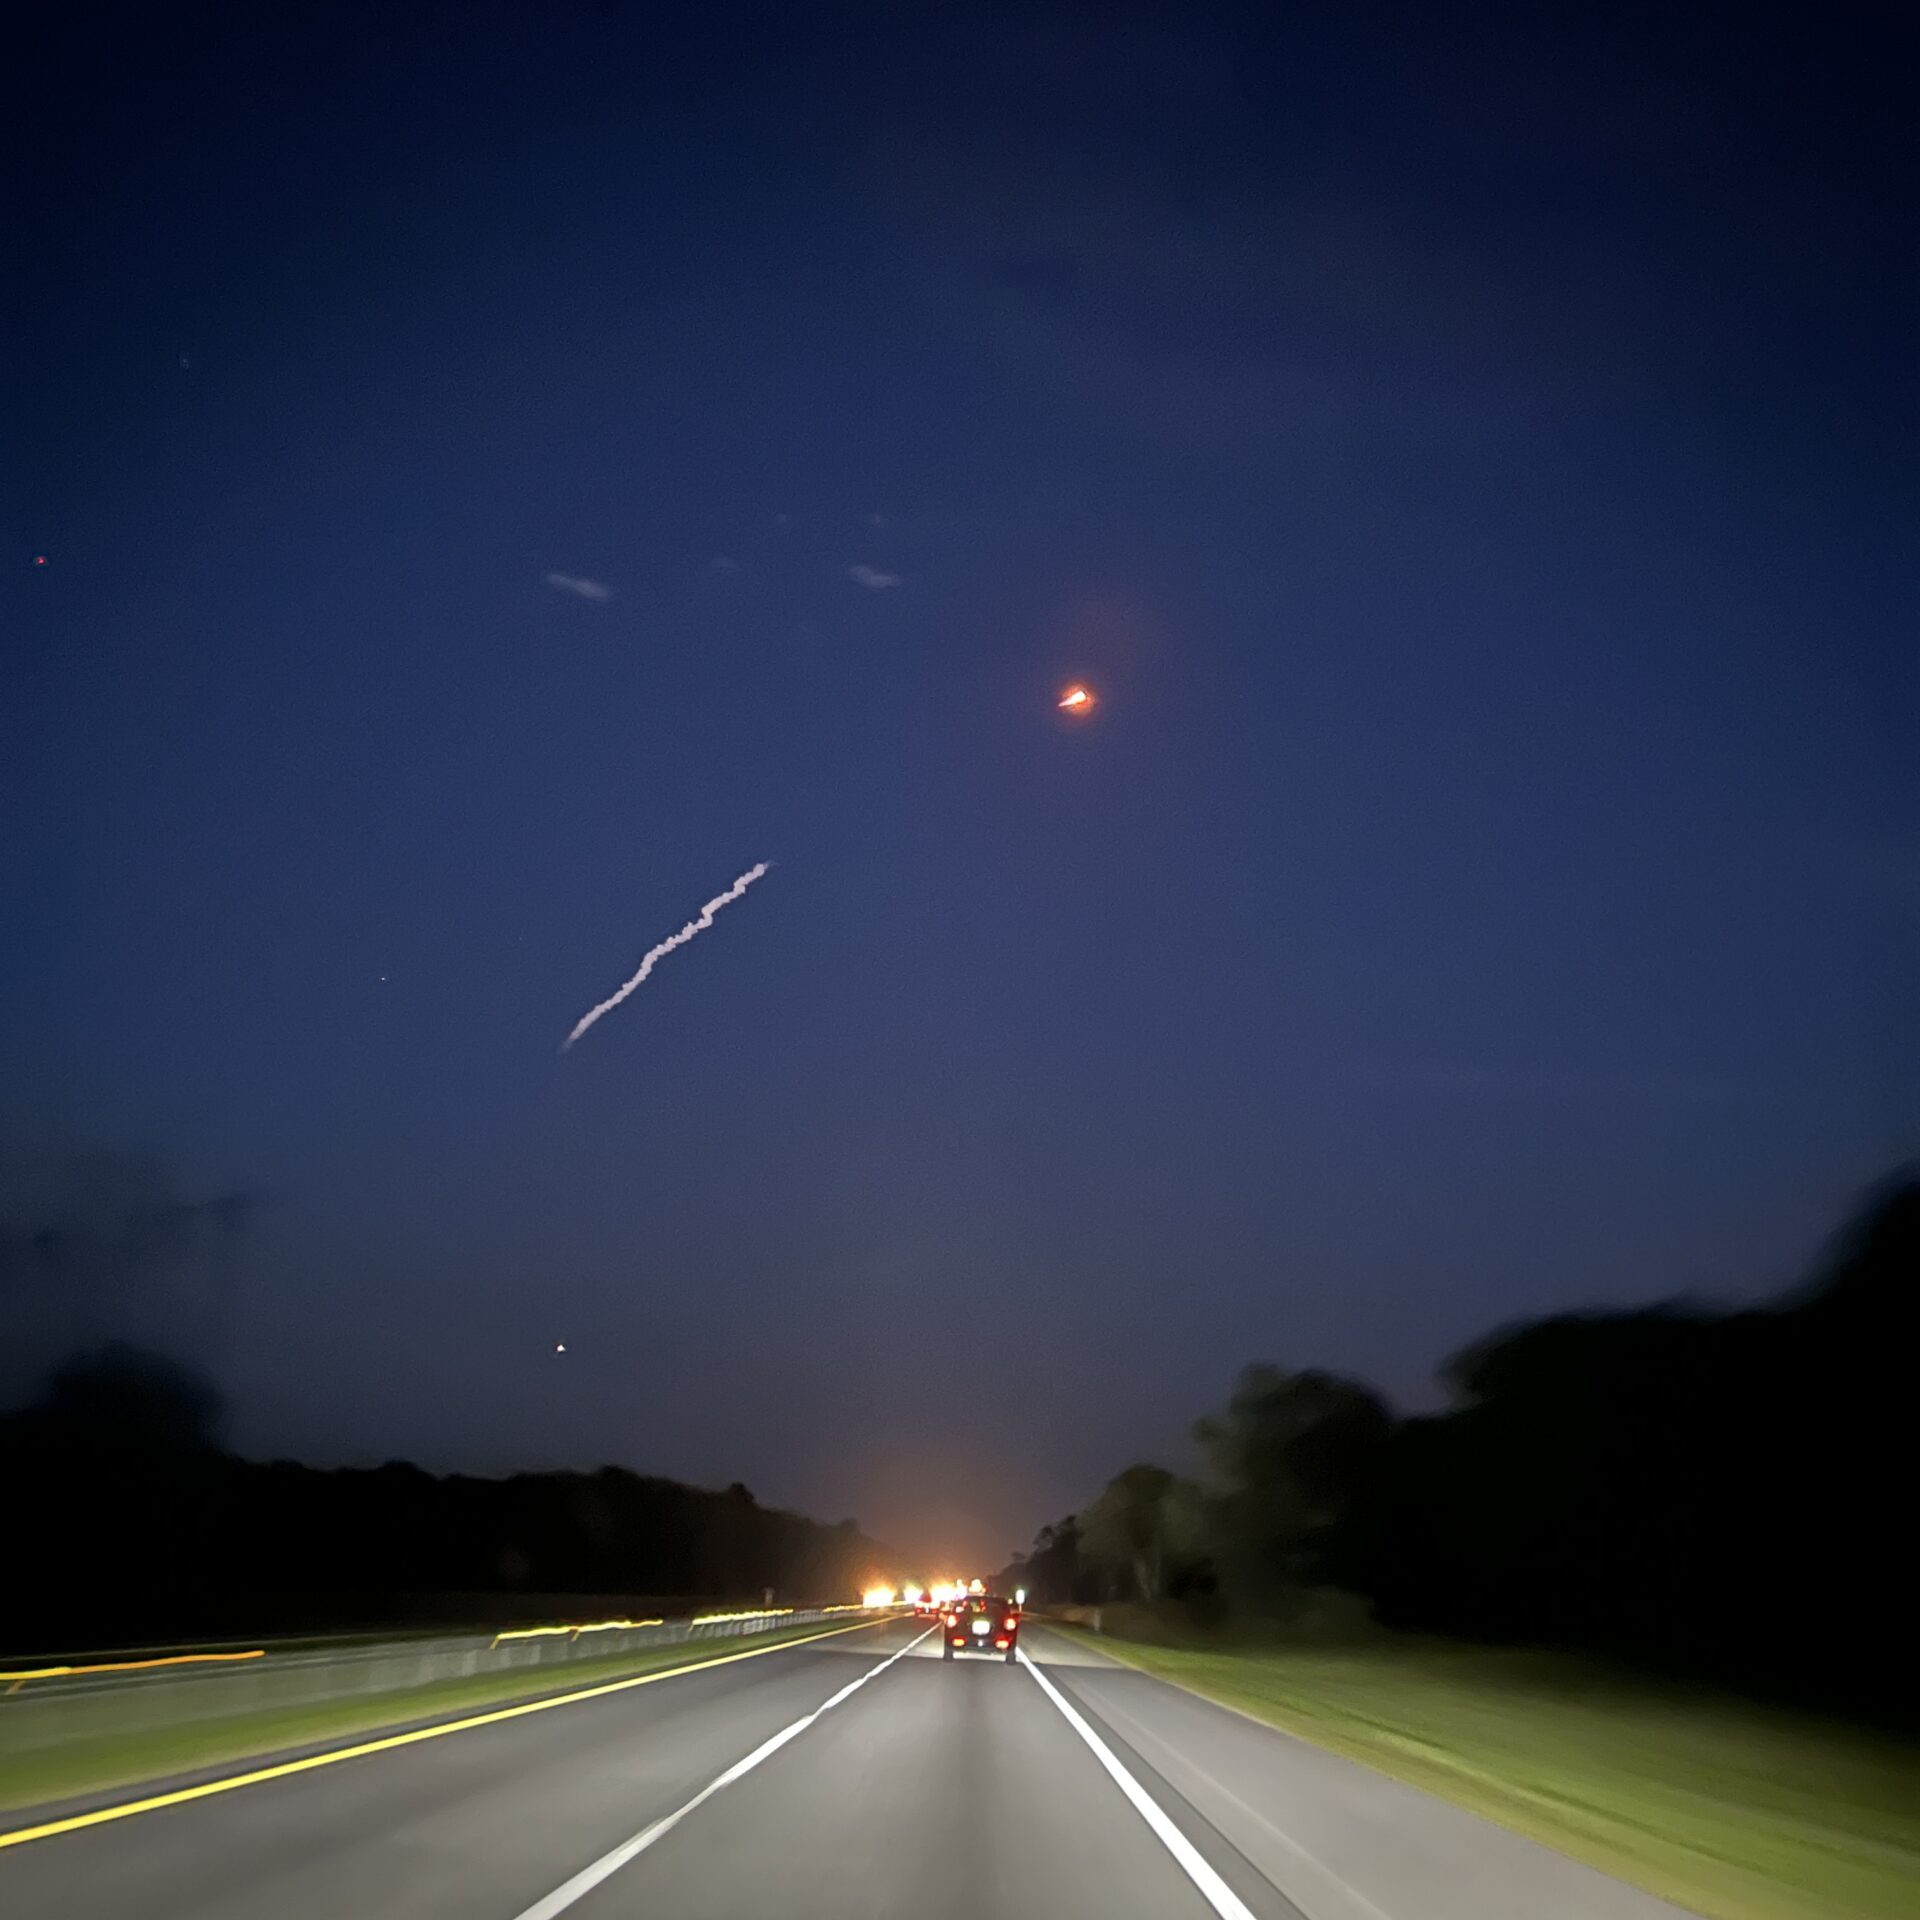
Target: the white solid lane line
(1213, 1890)
(584, 1882)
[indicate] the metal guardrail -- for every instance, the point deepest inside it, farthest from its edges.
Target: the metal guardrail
(42, 1708)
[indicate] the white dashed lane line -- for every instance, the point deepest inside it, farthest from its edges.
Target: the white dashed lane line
(584, 1882)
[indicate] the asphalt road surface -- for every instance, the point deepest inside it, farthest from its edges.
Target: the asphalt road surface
(858, 1775)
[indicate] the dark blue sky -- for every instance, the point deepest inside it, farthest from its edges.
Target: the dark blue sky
(1471, 456)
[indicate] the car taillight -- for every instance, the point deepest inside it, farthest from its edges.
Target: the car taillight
(1002, 1641)
(1011, 1624)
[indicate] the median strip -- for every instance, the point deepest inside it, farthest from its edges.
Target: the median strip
(179, 1796)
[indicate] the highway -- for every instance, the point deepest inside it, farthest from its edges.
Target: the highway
(856, 1774)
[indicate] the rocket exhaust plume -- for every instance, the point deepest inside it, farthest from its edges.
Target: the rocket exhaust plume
(679, 939)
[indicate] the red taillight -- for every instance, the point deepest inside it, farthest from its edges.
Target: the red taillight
(1011, 1624)
(1002, 1641)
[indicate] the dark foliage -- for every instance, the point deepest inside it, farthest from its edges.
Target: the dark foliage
(1144, 1538)
(1719, 1494)
(1723, 1496)
(128, 1523)
(1291, 1456)
(1053, 1572)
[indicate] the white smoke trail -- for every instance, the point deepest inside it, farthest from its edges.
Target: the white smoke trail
(679, 939)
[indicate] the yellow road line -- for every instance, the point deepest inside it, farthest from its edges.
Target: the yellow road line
(16, 1675)
(181, 1795)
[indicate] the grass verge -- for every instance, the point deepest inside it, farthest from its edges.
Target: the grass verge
(99, 1763)
(1730, 1809)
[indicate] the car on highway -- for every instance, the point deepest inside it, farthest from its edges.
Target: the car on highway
(981, 1623)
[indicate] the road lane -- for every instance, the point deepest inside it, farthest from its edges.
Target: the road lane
(598, 1872)
(937, 1790)
(481, 1823)
(946, 1791)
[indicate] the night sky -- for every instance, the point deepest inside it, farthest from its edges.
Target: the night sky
(480, 478)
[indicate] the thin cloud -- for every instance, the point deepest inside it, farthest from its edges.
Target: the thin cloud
(583, 589)
(872, 578)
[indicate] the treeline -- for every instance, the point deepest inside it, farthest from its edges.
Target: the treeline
(127, 1523)
(1721, 1495)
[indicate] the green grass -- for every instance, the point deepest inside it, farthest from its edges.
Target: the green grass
(98, 1762)
(1727, 1808)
